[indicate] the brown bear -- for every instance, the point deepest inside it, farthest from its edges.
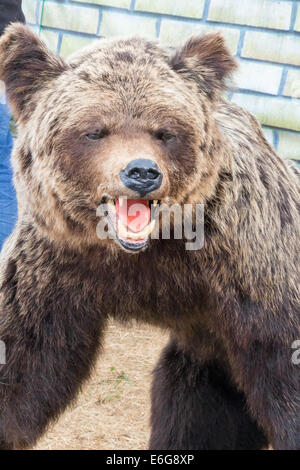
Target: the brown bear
(129, 118)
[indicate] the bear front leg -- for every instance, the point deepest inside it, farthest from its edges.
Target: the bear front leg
(271, 383)
(49, 353)
(195, 407)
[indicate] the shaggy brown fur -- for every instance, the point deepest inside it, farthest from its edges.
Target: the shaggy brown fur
(226, 380)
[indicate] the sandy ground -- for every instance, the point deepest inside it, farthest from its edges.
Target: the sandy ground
(112, 412)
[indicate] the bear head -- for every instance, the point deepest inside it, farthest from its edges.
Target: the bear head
(121, 120)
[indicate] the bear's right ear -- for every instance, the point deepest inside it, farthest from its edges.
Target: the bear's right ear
(26, 65)
(206, 61)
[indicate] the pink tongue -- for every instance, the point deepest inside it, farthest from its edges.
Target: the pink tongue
(134, 214)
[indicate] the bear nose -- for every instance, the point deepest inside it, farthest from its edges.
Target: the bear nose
(142, 175)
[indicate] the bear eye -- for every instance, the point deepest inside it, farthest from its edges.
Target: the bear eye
(98, 135)
(165, 136)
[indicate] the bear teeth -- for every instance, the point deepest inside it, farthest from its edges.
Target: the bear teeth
(121, 201)
(142, 235)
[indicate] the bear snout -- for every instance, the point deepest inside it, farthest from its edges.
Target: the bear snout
(142, 175)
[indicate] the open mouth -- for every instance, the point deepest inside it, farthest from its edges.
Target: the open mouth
(132, 220)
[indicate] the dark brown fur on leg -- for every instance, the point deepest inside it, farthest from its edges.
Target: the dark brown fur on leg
(196, 407)
(265, 386)
(51, 335)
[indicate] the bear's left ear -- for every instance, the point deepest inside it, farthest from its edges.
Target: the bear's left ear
(206, 60)
(26, 65)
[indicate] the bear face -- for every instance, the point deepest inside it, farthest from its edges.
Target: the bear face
(123, 118)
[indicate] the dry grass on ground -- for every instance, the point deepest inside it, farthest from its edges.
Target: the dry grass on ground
(112, 412)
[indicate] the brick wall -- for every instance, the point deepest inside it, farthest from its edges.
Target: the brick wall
(263, 34)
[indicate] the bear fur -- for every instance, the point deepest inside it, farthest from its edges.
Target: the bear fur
(226, 380)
